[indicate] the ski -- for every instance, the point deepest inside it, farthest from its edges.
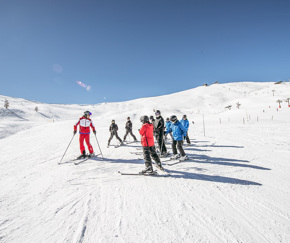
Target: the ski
(137, 153)
(163, 172)
(79, 161)
(154, 174)
(131, 142)
(177, 161)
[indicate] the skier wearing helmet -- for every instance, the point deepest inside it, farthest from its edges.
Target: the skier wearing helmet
(85, 123)
(147, 141)
(159, 133)
(178, 133)
(185, 123)
(114, 132)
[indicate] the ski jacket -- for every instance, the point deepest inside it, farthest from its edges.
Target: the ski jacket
(146, 132)
(178, 131)
(159, 124)
(113, 127)
(185, 123)
(85, 124)
(128, 126)
(167, 125)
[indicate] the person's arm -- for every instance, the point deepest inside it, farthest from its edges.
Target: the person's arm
(76, 127)
(142, 130)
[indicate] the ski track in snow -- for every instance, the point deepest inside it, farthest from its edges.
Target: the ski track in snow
(235, 188)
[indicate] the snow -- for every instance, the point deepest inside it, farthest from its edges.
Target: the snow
(235, 189)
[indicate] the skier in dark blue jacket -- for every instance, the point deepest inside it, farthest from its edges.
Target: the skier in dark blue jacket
(178, 132)
(185, 123)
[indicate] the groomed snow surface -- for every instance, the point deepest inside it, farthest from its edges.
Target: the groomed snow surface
(234, 189)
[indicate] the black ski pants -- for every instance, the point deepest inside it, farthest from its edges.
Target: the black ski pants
(112, 135)
(149, 152)
(131, 133)
(187, 138)
(161, 143)
(179, 147)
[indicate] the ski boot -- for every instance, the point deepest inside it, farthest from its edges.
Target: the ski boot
(83, 155)
(175, 156)
(183, 158)
(148, 170)
(159, 166)
(91, 155)
(165, 154)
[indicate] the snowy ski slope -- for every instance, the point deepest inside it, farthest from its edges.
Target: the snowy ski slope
(235, 189)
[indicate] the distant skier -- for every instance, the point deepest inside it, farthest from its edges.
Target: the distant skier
(147, 141)
(128, 128)
(178, 132)
(159, 133)
(185, 123)
(152, 119)
(167, 126)
(113, 130)
(85, 123)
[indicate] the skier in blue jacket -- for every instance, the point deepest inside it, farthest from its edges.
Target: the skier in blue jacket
(178, 132)
(167, 126)
(185, 123)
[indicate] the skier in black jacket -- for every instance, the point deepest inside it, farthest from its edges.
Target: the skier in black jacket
(113, 130)
(159, 133)
(128, 128)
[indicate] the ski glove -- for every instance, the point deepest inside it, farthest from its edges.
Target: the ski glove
(75, 132)
(95, 132)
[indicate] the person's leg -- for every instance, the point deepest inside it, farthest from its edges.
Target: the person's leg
(82, 147)
(155, 157)
(120, 140)
(180, 149)
(87, 138)
(111, 137)
(187, 138)
(164, 149)
(133, 135)
(125, 135)
(147, 158)
(174, 150)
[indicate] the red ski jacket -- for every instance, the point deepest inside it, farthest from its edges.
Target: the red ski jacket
(85, 124)
(146, 132)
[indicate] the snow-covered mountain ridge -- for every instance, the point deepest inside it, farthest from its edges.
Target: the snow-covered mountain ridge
(204, 100)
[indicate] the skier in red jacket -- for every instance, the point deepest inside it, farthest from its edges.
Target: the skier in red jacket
(147, 141)
(85, 123)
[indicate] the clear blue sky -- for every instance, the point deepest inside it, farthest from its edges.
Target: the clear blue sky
(127, 49)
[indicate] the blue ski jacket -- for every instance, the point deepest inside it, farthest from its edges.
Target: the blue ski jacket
(185, 123)
(167, 125)
(178, 131)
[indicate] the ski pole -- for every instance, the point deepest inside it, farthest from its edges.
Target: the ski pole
(67, 148)
(99, 145)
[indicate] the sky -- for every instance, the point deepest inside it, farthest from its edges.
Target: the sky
(88, 52)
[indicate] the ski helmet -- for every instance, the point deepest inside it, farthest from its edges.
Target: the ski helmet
(184, 116)
(144, 119)
(128, 118)
(167, 119)
(151, 118)
(173, 118)
(113, 121)
(87, 113)
(157, 113)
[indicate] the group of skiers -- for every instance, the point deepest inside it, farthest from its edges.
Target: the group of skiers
(151, 128)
